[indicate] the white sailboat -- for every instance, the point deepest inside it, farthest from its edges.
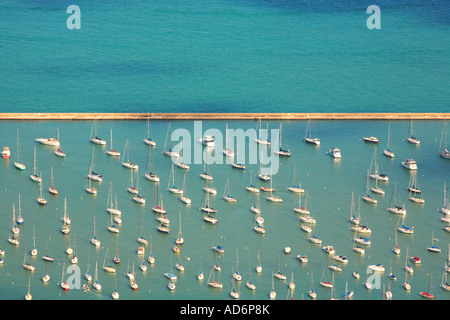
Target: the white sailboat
(52, 189)
(34, 175)
(20, 219)
(92, 175)
(412, 139)
(112, 152)
(58, 152)
(226, 194)
(172, 188)
(393, 207)
(41, 200)
(183, 197)
(302, 209)
(158, 206)
(169, 152)
(251, 187)
(206, 175)
(150, 175)
(375, 175)
(443, 151)
(64, 285)
(93, 137)
(415, 194)
(259, 139)
(213, 283)
(237, 165)
(404, 229)
(149, 141)
(112, 207)
(433, 248)
(280, 151)
(108, 268)
(368, 198)
(89, 188)
(34, 251)
(354, 219)
(396, 249)
(19, 161)
(96, 285)
(272, 197)
(294, 188)
(256, 207)
(387, 151)
(227, 151)
(128, 164)
(308, 138)
(94, 239)
(445, 208)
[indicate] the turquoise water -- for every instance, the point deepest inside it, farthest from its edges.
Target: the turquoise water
(329, 184)
(224, 56)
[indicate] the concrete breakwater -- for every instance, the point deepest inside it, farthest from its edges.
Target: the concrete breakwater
(224, 116)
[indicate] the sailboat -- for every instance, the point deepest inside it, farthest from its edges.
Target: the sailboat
(94, 138)
(433, 248)
(111, 207)
(34, 251)
(115, 295)
(353, 218)
(34, 175)
(150, 175)
(28, 296)
(138, 198)
(256, 207)
(251, 187)
(294, 187)
(20, 219)
(92, 175)
(128, 164)
(300, 209)
(19, 161)
(96, 285)
(14, 228)
(227, 151)
(428, 294)
(41, 200)
(237, 165)
(213, 283)
(412, 139)
(151, 259)
(403, 228)
(172, 188)
(407, 267)
(158, 206)
(311, 292)
(181, 164)
(47, 257)
(260, 139)
(183, 197)
(226, 193)
(376, 176)
(415, 194)
(179, 239)
(89, 188)
(309, 138)
(387, 151)
(149, 141)
(273, 198)
(443, 151)
(64, 285)
(324, 283)
(368, 198)
(206, 207)
(249, 282)
(52, 189)
(169, 152)
(444, 283)
(393, 207)
(278, 274)
(26, 265)
(94, 239)
(445, 208)
(108, 268)
(112, 152)
(396, 250)
(280, 151)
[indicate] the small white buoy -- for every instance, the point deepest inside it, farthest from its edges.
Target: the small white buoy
(287, 250)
